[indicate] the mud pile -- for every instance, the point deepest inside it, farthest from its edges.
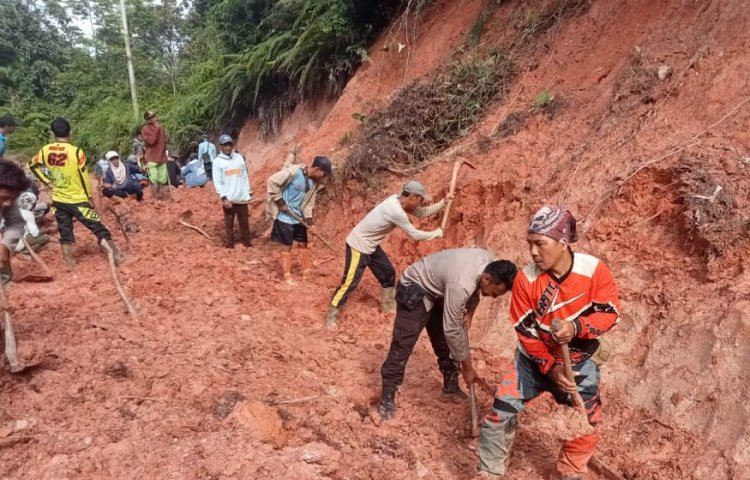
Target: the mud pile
(229, 374)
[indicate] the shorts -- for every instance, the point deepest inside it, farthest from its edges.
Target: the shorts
(286, 233)
(157, 173)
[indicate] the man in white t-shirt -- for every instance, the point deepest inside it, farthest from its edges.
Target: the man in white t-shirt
(363, 245)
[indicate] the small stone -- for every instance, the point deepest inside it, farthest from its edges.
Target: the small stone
(19, 425)
(664, 71)
(422, 471)
(245, 318)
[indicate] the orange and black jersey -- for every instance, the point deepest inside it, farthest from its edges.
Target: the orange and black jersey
(63, 167)
(586, 296)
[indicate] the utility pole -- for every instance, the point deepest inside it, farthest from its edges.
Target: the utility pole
(131, 73)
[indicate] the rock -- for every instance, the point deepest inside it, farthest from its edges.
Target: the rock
(421, 470)
(18, 425)
(664, 71)
(263, 422)
(245, 318)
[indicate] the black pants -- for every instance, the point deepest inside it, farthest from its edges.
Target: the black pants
(131, 188)
(354, 267)
(240, 210)
(209, 169)
(84, 213)
(410, 320)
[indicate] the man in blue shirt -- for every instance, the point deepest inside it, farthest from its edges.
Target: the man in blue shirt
(207, 154)
(291, 198)
(7, 126)
(194, 172)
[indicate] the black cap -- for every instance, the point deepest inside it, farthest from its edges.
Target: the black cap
(8, 121)
(323, 163)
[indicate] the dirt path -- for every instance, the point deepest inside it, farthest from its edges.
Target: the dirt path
(229, 374)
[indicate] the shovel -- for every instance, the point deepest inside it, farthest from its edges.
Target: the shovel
(11, 350)
(568, 365)
(320, 237)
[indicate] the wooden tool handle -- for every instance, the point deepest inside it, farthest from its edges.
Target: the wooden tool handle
(451, 191)
(568, 365)
(11, 349)
(36, 257)
(474, 414)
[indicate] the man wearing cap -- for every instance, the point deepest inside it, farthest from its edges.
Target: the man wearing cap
(363, 245)
(291, 200)
(232, 183)
(441, 293)
(576, 293)
(120, 178)
(155, 139)
(7, 126)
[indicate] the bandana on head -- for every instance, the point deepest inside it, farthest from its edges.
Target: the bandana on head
(554, 222)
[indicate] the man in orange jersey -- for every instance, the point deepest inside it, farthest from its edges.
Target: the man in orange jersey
(62, 166)
(578, 291)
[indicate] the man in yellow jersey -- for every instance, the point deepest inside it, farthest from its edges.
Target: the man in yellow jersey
(62, 166)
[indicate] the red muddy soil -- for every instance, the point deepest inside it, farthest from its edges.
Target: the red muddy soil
(228, 374)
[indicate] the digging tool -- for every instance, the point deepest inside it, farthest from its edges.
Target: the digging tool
(118, 286)
(452, 189)
(567, 364)
(47, 275)
(474, 414)
(11, 350)
(183, 221)
(320, 237)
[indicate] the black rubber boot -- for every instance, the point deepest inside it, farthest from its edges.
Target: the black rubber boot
(450, 384)
(387, 406)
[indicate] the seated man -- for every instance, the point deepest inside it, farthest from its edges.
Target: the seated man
(194, 172)
(132, 160)
(119, 179)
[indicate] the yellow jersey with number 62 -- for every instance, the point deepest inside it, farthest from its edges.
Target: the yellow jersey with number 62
(62, 166)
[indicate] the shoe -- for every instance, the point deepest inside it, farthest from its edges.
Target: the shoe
(388, 300)
(332, 317)
(451, 385)
(67, 252)
(387, 405)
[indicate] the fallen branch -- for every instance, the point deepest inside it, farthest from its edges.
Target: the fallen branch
(199, 230)
(292, 401)
(118, 286)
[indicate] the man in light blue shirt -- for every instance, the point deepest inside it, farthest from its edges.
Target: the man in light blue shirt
(7, 126)
(232, 183)
(194, 172)
(207, 154)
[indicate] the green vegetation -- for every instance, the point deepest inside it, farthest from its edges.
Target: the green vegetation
(205, 68)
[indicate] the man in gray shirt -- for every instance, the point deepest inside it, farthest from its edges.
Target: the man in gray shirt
(13, 181)
(441, 293)
(363, 245)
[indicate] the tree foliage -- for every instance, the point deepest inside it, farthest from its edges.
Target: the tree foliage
(204, 68)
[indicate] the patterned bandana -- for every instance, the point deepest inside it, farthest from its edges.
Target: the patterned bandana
(554, 222)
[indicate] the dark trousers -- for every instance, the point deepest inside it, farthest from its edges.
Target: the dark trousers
(85, 214)
(209, 169)
(239, 210)
(355, 265)
(131, 188)
(410, 320)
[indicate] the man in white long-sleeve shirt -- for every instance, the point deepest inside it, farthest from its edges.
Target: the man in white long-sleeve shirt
(232, 183)
(363, 245)
(13, 181)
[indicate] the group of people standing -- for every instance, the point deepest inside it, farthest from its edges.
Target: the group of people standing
(560, 298)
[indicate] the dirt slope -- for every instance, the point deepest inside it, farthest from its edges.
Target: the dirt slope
(228, 374)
